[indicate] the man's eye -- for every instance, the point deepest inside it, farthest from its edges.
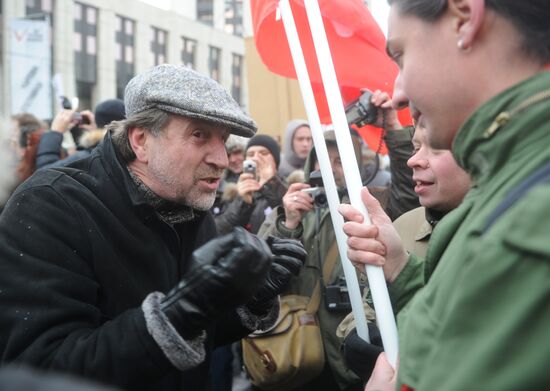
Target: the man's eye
(199, 134)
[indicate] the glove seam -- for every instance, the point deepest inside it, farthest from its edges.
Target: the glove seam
(183, 354)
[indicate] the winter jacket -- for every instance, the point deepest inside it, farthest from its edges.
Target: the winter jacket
(317, 234)
(415, 229)
(475, 314)
(79, 252)
(289, 160)
(238, 213)
(49, 153)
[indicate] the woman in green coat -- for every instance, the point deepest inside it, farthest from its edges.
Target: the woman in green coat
(475, 314)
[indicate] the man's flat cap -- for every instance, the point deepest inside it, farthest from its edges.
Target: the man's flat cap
(182, 91)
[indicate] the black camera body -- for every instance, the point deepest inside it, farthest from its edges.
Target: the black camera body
(337, 297)
(317, 190)
(361, 111)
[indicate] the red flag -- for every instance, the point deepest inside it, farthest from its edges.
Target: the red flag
(357, 45)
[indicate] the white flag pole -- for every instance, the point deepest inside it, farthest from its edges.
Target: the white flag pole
(326, 170)
(377, 283)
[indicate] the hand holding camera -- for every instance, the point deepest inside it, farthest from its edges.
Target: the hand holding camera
(373, 108)
(248, 181)
(296, 203)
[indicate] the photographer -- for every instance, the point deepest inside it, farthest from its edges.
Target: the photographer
(259, 192)
(305, 216)
(87, 129)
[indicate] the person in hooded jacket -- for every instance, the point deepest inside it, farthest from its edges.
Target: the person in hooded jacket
(308, 219)
(297, 144)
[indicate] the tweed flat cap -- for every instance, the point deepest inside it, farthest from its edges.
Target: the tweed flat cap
(182, 91)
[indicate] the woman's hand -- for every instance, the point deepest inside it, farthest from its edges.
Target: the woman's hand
(383, 376)
(377, 244)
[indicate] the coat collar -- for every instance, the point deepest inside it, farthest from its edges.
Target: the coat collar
(501, 130)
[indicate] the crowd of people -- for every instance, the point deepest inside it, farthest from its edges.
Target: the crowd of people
(140, 257)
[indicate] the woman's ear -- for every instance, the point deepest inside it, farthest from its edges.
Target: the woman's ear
(138, 141)
(468, 19)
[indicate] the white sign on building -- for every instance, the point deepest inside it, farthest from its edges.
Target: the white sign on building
(30, 68)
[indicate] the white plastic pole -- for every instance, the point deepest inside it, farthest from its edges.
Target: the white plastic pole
(377, 283)
(326, 170)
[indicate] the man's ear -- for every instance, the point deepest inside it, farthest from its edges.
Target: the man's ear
(138, 141)
(468, 20)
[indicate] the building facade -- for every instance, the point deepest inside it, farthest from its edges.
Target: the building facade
(97, 46)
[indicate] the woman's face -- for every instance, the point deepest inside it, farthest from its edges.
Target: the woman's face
(429, 73)
(439, 182)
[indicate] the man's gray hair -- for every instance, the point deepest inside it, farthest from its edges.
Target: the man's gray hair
(153, 120)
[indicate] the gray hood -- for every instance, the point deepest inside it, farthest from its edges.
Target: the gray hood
(290, 161)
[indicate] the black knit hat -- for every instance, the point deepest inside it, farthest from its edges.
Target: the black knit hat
(108, 111)
(268, 142)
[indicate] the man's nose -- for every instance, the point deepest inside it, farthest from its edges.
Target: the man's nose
(217, 156)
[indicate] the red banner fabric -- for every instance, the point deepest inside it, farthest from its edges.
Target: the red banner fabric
(357, 45)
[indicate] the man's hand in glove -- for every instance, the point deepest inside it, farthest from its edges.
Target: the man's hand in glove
(288, 258)
(360, 356)
(224, 273)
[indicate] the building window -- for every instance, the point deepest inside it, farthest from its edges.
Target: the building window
(188, 52)
(205, 11)
(236, 75)
(124, 55)
(85, 52)
(158, 45)
(234, 17)
(214, 63)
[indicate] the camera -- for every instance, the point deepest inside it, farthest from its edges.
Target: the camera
(337, 296)
(78, 118)
(361, 111)
(316, 191)
(249, 166)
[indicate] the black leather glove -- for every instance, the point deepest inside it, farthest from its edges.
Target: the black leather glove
(223, 274)
(360, 356)
(288, 258)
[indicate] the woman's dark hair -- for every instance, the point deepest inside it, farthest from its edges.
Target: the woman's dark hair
(530, 17)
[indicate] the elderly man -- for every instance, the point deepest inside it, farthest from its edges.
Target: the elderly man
(104, 269)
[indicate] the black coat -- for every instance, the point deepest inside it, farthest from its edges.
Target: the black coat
(251, 216)
(79, 252)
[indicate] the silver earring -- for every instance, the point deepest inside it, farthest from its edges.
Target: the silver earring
(462, 46)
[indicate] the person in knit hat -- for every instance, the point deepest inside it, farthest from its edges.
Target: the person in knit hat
(298, 142)
(235, 146)
(259, 194)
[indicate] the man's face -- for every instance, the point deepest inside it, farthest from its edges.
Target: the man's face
(302, 141)
(336, 164)
(236, 158)
(432, 74)
(440, 183)
(186, 161)
(262, 157)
